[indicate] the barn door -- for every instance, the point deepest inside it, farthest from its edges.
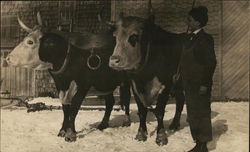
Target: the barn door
(235, 54)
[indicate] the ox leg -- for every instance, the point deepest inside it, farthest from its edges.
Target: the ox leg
(66, 112)
(125, 97)
(180, 99)
(76, 103)
(142, 112)
(159, 112)
(109, 102)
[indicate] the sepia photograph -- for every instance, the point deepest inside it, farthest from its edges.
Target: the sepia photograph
(125, 76)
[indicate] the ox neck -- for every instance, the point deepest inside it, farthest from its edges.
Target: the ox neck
(64, 65)
(144, 60)
(145, 49)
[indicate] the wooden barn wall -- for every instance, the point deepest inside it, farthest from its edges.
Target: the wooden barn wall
(171, 15)
(235, 65)
(17, 82)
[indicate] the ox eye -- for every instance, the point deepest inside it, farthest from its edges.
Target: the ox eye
(133, 39)
(30, 42)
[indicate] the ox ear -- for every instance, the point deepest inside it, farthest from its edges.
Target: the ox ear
(109, 23)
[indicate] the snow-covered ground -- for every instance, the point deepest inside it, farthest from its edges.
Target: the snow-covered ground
(37, 131)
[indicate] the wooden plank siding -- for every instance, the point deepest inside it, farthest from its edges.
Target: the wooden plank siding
(235, 59)
(17, 81)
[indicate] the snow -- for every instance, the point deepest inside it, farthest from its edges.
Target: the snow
(46, 100)
(37, 131)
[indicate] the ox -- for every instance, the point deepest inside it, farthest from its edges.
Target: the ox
(76, 62)
(150, 55)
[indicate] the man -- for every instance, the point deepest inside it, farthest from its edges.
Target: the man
(197, 67)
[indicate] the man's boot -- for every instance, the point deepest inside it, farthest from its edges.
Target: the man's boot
(199, 147)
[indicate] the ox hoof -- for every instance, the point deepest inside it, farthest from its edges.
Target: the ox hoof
(70, 135)
(103, 125)
(126, 122)
(61, 133)
(141, 135)
(175, 125)
(161, 138)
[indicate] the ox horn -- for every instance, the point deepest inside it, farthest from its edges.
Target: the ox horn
(26, 28)
(109, 23)
(150, 9)
(151, 16)
(39, 18)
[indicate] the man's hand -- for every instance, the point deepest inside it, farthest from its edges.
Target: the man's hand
(203, 90)
(176, 78)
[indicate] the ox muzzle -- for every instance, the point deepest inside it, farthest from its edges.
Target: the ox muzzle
(115, 62)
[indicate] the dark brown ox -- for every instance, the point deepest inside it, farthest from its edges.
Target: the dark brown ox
(78, 62)
(151, 55)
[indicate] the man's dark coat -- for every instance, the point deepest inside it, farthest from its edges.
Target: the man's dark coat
(197, 67)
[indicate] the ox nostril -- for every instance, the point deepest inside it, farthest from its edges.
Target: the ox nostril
(7, 58)
(115, 59)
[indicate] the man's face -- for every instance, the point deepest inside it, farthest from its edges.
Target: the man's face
(192, 23)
